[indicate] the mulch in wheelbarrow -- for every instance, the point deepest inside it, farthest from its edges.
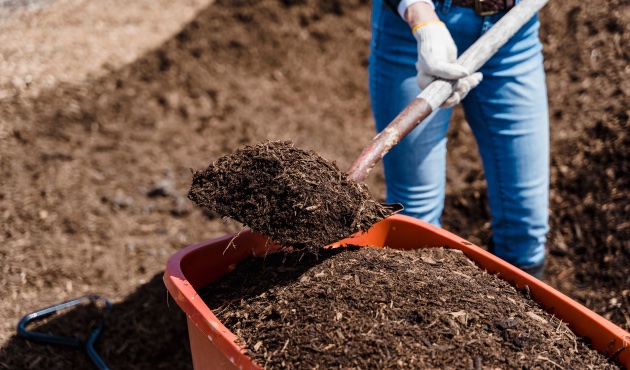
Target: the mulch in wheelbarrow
(369, 308)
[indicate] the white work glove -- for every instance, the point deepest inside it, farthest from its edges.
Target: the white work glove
(437, 55)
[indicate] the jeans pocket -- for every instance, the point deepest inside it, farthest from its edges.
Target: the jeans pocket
(438, 5)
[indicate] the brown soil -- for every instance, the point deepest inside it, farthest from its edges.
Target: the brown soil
(296, 197)
(368, 308)
(96, 148)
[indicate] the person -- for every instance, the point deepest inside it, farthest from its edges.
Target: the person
(414, 41)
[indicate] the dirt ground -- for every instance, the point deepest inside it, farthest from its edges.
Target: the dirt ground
(105, 107)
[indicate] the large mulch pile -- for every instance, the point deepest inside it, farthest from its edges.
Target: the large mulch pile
(294, 196)
(368, 308)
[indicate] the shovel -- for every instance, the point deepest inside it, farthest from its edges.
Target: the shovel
(439, 90)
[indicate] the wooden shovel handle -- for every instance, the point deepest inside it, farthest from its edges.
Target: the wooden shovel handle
(439, 90)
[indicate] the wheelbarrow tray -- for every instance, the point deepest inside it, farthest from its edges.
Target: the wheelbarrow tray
(213, 346)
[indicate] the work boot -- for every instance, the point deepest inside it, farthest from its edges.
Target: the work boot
(534, 270)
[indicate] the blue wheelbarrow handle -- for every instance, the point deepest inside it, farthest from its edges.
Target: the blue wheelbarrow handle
(91, 352)
(64, 340)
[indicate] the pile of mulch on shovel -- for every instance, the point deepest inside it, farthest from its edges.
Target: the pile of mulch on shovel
(295, 197)
(368, 308)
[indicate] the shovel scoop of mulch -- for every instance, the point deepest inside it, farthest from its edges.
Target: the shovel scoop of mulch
(295, 197)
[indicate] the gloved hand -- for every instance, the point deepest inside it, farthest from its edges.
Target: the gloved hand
(437, 54)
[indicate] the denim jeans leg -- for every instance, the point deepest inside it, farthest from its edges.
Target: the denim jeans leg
(509, 117)
(415, 168)
(507, 113)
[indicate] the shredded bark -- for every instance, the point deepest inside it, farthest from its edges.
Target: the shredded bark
(295, 197)
(370, 308)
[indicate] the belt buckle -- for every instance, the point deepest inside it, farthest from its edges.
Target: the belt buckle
(479, 9)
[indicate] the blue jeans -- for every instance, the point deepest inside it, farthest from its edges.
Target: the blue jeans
(507, 113)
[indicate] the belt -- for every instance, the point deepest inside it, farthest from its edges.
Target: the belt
(485, 7)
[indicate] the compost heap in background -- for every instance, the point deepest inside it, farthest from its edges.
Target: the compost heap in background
(295, 197)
